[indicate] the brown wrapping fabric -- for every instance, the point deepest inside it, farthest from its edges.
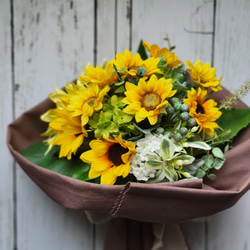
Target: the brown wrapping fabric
(174, 202)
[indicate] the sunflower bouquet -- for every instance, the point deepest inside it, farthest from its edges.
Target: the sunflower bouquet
(140, 118)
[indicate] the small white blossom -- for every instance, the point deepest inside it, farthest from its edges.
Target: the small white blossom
(147, 148)
(152, 156)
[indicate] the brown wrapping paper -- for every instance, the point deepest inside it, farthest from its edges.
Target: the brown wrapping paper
(174, 202)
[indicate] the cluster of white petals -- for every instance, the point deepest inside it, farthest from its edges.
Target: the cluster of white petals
(147, 149)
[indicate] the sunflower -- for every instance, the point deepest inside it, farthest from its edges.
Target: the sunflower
(86, 101)
(101, 76)
(204, 112)
(150, 65)
(154, 49)
(60, 97)
(65, 131)
(204, 76)
(171, 59)
(130, 61)
(147, 100)
(109, 158)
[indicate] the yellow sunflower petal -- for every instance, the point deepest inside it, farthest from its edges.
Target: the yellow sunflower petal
(94, 174)
(100, 147)
(88, 156)
(101, 164)
(152, 119)
(108, 178)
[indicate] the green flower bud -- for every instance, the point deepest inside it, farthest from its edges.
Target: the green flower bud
(174, 100)
(178, 137)
(194, 129)
(183, 131)
(141, 72)
(170, 110)
(177, 106)
(159, 130)
(184, 107)
(184, 116)
(191, 122)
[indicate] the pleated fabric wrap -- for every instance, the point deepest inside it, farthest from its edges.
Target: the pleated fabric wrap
(133, 208)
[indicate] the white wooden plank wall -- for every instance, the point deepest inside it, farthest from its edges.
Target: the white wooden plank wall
(47, 42)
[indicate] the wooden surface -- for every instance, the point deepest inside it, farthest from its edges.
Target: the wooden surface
(47, 42)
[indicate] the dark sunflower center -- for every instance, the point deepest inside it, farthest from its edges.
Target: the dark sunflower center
(91, 101)
(202, 79)
(115, 154)
(200, 109)
(150, 101)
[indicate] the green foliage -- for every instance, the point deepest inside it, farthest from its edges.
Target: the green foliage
(197, 144)
(201, 167)
(167, 149)
(112, 119)
(153, 163)
(142, 51)
(231, 128)
(214, 160)
(75, 167)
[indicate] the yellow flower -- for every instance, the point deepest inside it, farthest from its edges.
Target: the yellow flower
(101, 76)
(86, 101)
(204, 76)
(109, 159)
(65, 131)
(128, 60)
(151, 66)
(204, 112)
(154, 49)
(171, 59)
(60, 97)
(147, 100)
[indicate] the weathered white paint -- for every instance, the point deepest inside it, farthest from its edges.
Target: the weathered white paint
(123, 24)
(231, 229)
(232, 43)
(52, 40)
(153, 20)
(105, 30)
(6, 176)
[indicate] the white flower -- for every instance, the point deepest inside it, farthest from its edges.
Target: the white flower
(147, 149)
(158, 157)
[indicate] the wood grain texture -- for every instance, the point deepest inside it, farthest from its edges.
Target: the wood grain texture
(105, 33)
(52, 41)
(6, 113)
(123, 25)
(232, 46)
(188, 24)
(231, 229)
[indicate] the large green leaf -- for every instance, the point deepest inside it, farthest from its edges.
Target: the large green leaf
(234, 120)
(75, 167)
